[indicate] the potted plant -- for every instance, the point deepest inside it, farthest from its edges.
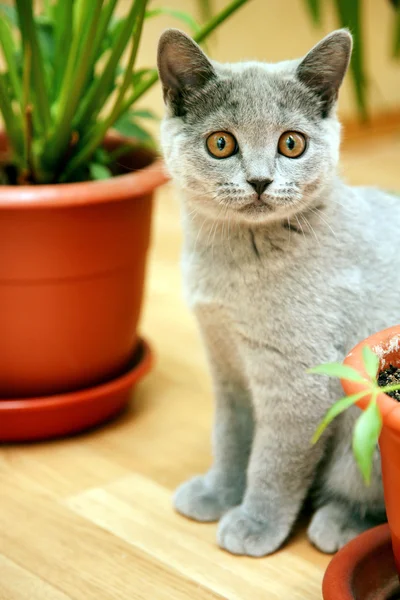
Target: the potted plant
(75, 211)
(368, 568)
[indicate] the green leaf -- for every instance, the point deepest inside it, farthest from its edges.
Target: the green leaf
(145, 114)
(218, 19)
(140, 74)
(350, 15)
(335, 410)
(206, 9)
(9, 50)
(371, 362)
(30, 40)
(365, 438)
(98, 171)
(114, 31)
(94, 137)
(337, 370)
(76, 73)
(102, 40)
(176, 14)
(122, 150)
(101, 156)
(204, 32)
(45, 32)
(63, 38)
(13, 127)
(314, 8)
(10, 12)
(94, 100)
(396, 46)
(127, 126)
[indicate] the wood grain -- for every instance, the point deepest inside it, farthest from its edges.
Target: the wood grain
(90, 518)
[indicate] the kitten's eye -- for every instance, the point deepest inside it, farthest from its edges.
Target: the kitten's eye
(221, 144)
(292, 144)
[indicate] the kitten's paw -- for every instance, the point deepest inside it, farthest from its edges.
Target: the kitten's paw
(194, 499)
(241, 534)
(332, 527)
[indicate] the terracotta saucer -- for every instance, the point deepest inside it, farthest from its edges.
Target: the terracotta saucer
(364, 569)
(32, 419)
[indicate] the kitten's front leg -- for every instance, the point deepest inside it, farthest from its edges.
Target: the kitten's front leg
(207, 497)
(281, 466)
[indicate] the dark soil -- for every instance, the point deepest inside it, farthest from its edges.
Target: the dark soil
(390, 376)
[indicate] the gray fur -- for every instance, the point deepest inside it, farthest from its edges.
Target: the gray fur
(279, 283)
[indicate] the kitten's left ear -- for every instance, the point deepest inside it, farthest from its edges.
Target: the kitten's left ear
(324, 67)
(183, 67)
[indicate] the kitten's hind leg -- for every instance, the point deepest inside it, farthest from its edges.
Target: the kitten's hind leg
(334, 524)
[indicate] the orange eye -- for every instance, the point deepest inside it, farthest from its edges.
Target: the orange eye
(292, 144)
(221, 144)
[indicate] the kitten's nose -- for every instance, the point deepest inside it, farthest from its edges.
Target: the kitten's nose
(259, 184)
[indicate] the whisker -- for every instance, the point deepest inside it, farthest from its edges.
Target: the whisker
(301, 226)
(198, 235)
(323, 220)
(229, 237)
(339, 204)
(311, 228)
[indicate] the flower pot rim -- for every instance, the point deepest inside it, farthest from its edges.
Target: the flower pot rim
(379, 342)
(338, 578)
(56, 195)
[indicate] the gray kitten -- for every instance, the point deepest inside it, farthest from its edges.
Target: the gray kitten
(284, 267)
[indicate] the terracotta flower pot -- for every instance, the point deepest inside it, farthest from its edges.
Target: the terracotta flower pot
(72, 268)
(387, 345)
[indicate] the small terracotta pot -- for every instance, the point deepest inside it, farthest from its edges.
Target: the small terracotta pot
(364, 569)
(355, 561)
(72, 270)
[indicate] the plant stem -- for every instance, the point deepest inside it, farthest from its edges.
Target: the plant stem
(129, 68)
(75, 77)
(350, 15)
(26, 84)
(396, 48)
(30, 175)
(7, 43)
(103, 25)
(94, 137)
(142, 89)
(29, 36)
(14, 131)
(218, 19)
(92, 103)
(314, 8)
(95, 140)
(389, 388)
(47, 8)
(63, 17)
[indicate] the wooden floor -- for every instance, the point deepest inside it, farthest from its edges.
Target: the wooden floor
(90, 518)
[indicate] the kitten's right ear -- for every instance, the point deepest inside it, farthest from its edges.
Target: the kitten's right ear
(183, 67)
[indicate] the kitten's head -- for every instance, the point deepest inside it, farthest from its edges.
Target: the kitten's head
(256, 140)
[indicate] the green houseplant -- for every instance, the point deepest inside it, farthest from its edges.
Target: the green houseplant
(75, 210)
(365, 568)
